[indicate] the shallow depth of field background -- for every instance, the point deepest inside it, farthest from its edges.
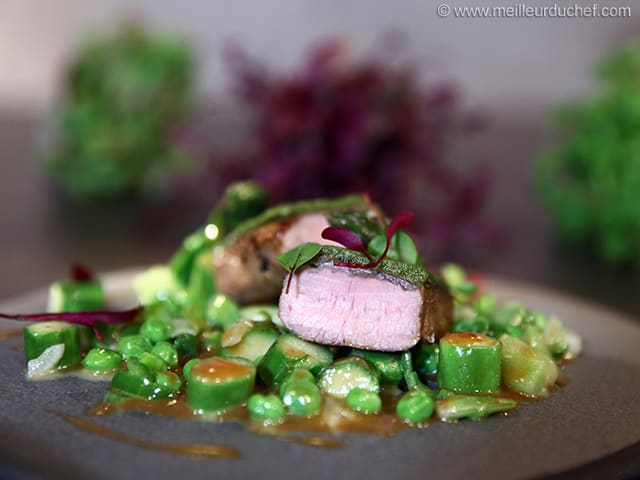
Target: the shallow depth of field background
(513, 71)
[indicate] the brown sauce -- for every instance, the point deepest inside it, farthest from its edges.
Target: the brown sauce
(7, 334)
(216, 369)
(187, 449)
(323, 442)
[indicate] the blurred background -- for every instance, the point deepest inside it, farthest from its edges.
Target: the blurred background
(121, 123)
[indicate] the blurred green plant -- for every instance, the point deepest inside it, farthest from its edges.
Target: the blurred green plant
(124, 95)
(591, 182)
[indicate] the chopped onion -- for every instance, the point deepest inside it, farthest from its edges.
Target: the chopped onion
(46, 362)
(180, 326)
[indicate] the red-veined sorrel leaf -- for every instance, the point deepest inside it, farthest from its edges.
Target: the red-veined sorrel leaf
(81, 273)
(89, 318)
(352, 240)
(346, 238)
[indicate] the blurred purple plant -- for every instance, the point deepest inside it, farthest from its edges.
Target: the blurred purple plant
(333, 126)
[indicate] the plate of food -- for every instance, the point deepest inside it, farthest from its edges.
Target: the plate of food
(311, 340)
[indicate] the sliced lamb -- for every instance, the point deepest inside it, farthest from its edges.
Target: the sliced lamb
(248, 270)
(363, 308)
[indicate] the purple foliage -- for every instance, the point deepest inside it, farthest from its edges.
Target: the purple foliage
(331, 127)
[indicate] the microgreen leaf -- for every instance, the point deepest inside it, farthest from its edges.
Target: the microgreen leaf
(402, 247)
(346, 238)
(90, 318)
(399, 221)
(352, 241)
(298, 256)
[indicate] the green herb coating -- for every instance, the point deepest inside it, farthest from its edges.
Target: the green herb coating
(413, 274)
(287, 210)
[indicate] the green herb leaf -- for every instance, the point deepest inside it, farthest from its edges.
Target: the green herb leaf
(298, 256)
(402, 247)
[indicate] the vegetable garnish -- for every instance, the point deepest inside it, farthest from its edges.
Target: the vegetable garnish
(81, 273)
(90, 319)
(300, 255)
(352, 240)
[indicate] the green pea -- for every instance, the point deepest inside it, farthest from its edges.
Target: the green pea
(138, 369)
(479, 324)
(168, 381)
(166, 352)
(101, 360)
(302, 398)
(426, 358)
(485, 304)
(133, 346)
(153, 362)
(186, 344)
(415, 406)
(265, 407)
(155, 330)
(364, 401)
(298, 375)
(514, 331)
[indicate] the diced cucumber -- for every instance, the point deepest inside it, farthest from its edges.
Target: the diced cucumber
(469, 363)
(298, 375)
(138, 380)
(42, 335)
(339, 378)
(387, 365)
(75, 297)
(263, 313)
(289, 352)
(525, 370)
(216, 383)
(253, 345)
(157, 284)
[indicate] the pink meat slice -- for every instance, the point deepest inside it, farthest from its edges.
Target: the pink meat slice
(306, 228)
(347, 307)
(248, 270)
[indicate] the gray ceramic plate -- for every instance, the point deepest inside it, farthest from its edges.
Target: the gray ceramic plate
(594, 421)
